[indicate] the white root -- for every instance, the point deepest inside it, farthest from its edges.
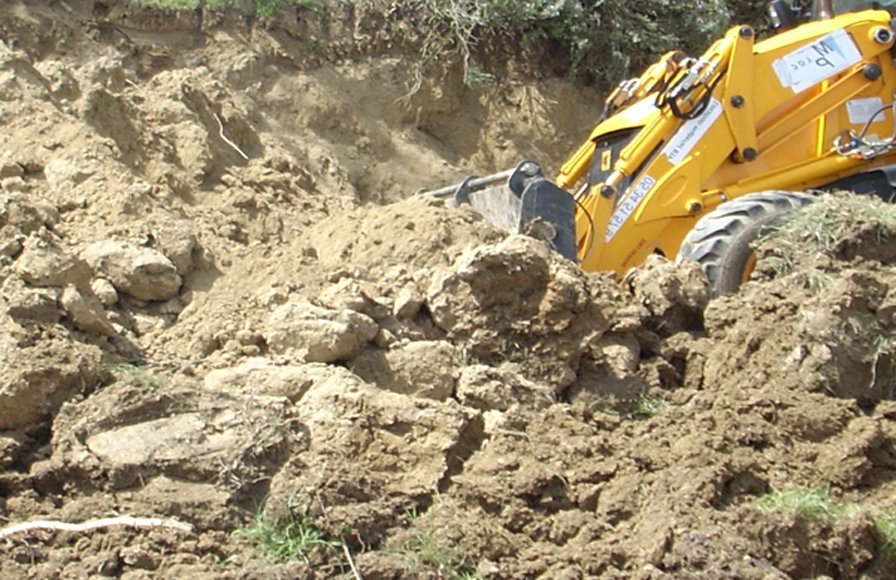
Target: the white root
(351, 561)
(94, 524)
(225, 138)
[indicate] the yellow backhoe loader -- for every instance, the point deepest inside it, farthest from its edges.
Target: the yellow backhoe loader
(693, 159)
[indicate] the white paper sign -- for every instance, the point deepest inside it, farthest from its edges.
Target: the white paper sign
(812, 63)
(628, 205)
(860, 111)
(691, 132)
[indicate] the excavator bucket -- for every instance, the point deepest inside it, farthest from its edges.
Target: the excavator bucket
(519, 200)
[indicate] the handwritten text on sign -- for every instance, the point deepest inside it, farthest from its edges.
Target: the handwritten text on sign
(812, 63)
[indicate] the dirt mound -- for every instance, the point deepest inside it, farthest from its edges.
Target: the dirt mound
(227, 324)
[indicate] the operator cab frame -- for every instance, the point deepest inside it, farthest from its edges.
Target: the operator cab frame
(786, 15)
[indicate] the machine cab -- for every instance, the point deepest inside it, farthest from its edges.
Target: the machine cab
(786, 15)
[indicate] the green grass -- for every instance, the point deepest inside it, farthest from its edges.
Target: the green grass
(290, 537)
(643, 407)
(811, 503)
(428, 550)
(135, 373)
(820, 232)
(818, 504)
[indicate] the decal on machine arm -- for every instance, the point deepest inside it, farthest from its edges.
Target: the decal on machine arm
(812, 63)
(628, 206)
(691, 132)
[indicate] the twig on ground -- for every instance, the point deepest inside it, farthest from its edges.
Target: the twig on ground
(226, 140)
(351, 561)
(94, 524)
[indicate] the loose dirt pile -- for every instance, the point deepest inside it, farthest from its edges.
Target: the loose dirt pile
(212, 315)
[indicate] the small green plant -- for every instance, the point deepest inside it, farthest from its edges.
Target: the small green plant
(136, 373)
(644, 406)
(818, 504)
(476, 78)
(647, 406)
(289, 537)
(428, 550)
(885, 525)
(812, 503)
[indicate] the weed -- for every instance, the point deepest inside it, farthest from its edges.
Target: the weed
(290, 537)
(885, 525)
(647, 406)
(133, 372)
(811, 503)
(817, 503)
(429, 550)
(476, 78)
(644, 406)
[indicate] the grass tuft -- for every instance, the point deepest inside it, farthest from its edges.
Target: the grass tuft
(818, 504)
(290, 537)
(835, 227)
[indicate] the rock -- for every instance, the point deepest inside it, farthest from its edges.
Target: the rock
(487, 388)
(69, 170)
(610, 371)
(259, 376)
(318, 334)
(421, 368)
(408, 301)
(44, 263)
(18, 211)
(348, 294)
(26, 303)
(143, 273)
(190, 434)
(371, 450)
(178, 242)
(11, 239)
(85, 311)
(104, 290)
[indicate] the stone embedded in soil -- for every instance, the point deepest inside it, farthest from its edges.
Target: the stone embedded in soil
(348, 294)
(316, 334)
(144, 273)
(261, 376)
(129, 433)
(85, 311)
(43, 262)
(178, 243)
(421, 368)
(69, 170)
(104, 290)
(488, 388)
(24, 303)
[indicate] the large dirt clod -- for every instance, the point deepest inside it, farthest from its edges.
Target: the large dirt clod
(143, 273)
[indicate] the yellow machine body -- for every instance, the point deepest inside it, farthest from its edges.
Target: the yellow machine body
(745, 117)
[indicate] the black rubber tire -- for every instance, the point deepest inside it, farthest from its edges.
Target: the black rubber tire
(722, 240)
